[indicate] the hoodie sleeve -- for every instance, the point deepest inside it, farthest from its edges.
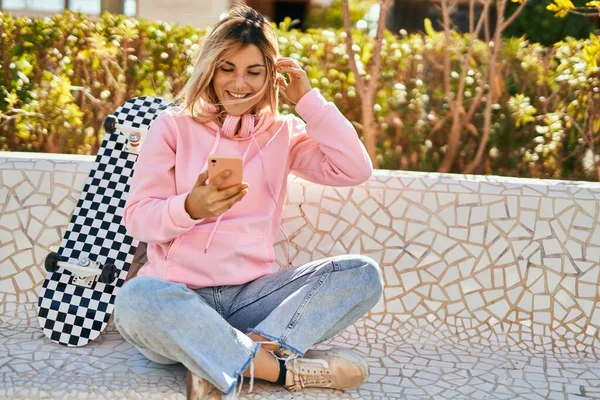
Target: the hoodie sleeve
(154, 212)
(326, 149)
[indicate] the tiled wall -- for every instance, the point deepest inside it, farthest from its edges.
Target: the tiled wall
(504, 262)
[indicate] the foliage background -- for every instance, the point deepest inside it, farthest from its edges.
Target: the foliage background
(62, 75)
(540, 26)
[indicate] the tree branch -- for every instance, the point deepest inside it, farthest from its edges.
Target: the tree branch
(351, 55)
(86, 92)
(114, 63)
(513, 16)
(471, 14)
(110, 77)
(376, 60)
(491, 75)
(447, 65)
(467, 61)
(584, 14)
(18, 113)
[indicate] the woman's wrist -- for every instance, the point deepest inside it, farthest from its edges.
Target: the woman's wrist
(187, 206)
(303, 94)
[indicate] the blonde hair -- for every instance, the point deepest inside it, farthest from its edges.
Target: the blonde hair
(242, 26)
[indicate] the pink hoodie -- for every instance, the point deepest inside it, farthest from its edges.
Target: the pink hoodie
(237, 247)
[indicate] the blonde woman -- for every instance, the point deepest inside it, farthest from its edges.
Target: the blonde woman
(208, 296)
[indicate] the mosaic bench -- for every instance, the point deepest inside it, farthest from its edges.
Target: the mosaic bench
(492, 286)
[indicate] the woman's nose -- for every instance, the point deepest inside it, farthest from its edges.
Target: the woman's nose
(239, 82)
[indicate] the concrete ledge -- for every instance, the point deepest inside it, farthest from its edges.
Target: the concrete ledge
(492, 286)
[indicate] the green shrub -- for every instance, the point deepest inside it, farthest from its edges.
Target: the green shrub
(332, 17)
(62, 75)
(539, 25)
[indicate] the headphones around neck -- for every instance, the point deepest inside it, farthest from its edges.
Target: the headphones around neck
(243, 125)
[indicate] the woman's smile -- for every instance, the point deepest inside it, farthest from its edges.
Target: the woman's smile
(237, 95)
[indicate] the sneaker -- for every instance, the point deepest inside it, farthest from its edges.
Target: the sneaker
(200, 389)
(334, 369)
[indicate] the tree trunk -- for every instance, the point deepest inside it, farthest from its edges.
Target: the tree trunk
(113, 6)
(369, 129)
(367, 88)
(452, 145)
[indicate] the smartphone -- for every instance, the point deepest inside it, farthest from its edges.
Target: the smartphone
(218, 164)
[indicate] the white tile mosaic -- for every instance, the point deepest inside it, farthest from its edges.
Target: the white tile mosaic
(491, 287)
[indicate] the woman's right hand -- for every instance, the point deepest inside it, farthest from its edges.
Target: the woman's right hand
(207, 201)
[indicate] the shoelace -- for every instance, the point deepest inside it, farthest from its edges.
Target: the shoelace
(307, 377)
(312, 380)
(289, 357)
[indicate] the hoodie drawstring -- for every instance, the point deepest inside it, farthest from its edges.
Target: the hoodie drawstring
(218, 221)
(265, 175)
(264, 168)
(214, 229)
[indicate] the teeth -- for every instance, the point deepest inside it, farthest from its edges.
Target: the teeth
(236, 95)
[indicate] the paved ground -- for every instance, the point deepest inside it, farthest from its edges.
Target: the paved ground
(32, 368)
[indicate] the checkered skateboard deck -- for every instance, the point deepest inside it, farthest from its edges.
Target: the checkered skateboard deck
(95, 256)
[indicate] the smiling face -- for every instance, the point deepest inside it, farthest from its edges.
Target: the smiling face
(239, 78)
(239, 53)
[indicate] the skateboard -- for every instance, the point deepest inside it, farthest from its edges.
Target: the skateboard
(95, 256)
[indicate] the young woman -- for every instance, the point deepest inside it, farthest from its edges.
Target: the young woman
(208, 297)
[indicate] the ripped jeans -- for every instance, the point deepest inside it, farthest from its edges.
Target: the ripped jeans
(205, 329)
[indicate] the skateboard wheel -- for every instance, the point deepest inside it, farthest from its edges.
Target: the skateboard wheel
(51, 263)
(109, 273)
(110, 124)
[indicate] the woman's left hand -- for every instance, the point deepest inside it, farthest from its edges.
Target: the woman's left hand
(298, 84)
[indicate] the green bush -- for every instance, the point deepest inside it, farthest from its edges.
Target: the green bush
(62, 75)
(539, 25)
(332, 17)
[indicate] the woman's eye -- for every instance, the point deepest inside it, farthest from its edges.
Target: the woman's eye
(226, 70)
(254, 73)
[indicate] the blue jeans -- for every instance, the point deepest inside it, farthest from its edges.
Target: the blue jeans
(204, 329)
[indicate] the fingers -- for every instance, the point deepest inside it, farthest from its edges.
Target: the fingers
(208, 201)
(284, 94)
(219, 179)
(294, 76)
(226, 204)
(286, 68)
(201, 181)
(281, 81)
(288, 65)
(291, 64)
(229, 192)
(286, 61)
(222, 200)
